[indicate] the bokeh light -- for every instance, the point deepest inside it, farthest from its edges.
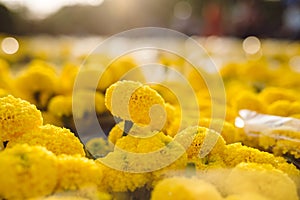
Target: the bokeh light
(251, 45)
(9, 45)
(183, 10)
(295, 63)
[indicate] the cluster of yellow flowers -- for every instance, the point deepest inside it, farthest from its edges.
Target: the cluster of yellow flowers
(50, 87)
(267, 91)
(154, 151)
(50, 161)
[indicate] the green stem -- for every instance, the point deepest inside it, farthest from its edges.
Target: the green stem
(127, 126)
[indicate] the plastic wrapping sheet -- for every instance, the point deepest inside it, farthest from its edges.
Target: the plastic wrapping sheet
(279, 135)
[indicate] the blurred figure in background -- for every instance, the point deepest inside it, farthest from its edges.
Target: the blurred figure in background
(291, 19)
(247, 18)
(212, 19)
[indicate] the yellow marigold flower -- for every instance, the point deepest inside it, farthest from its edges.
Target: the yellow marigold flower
(173, 120)
(230, 71)
(237, 153)
(279, 107)
(272, 94)
(56, 139)
(3, 93)
(84, 193)
(4, 67)
(250, 101)
(88, 77)
(38, 84)
(67, 78)
(60, 106)
(135, 144)
(99, 147)
(196, 136)
(229, 133)
(27, 171)
(164, 90)
(122, 68)
(231, 114)
(171, 60)
(116, 132)
(17, 117)
(75, 172)
(179, 188)
(84, 106)
(234, 87)
(141, 99)
(261, 179)
(290, 170)
(50, 118)
(255, 71)
(246, 196)
(121, 181)
(297, 116)
(151, 151)
(1, 146)
(281, 142)
(5, 76)
(294, 108)
(197, 81)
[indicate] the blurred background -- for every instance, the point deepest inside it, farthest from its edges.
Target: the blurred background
(237, 18)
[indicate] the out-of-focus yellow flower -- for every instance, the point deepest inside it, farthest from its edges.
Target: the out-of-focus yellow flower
(84, 105)
(67, 78)
(279, 107)
(5, 76)
(50, 118)
(1, 146)
(197, 81)
(60, 106)
(27, 171)
(172, 61)
(3, 93)
(294, 108)
(75, 172)
(246, 196)
(228, 131)
(164, 90)
(179, 188)
(261, 179)
(94, 77)
(4, 67)
(230, 71)
(56, 139)
(99, 147)
(116, 132)
(37, 84)
(17, 117)
(250, 101)
(235, 87)
(141, 100)
(122, 68)
(257, 72)
(173, 120)
(272, 94)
